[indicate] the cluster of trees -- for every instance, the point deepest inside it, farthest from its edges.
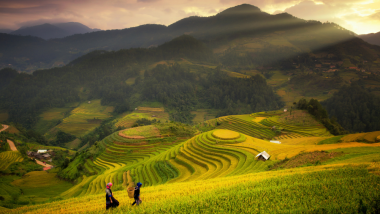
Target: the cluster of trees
(144, 122)
(355, 108)
(62, 138)
(317, 110)
(182, 91)
(106, 128)
(102, 74)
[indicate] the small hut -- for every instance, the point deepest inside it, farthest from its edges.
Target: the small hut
(41, 151)
(263, 156)
(46, 156)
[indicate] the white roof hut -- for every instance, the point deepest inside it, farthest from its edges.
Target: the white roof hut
(275, 141)
(42, 151)
(263, 156)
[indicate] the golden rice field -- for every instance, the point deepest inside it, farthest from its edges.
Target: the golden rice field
(143, 112)
(85, 117)
(338, 189)
(218, 172)
(369, 137)
(9, 157)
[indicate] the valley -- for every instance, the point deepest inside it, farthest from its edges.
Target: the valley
(240, 112)
(187, 161)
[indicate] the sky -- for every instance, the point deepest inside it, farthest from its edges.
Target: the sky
(359, 16)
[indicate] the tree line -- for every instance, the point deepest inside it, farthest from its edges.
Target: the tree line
(355, 108)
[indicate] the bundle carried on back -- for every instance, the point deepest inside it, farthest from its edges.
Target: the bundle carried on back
(131, 192)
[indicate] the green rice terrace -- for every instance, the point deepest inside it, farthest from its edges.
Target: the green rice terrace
(182, 167)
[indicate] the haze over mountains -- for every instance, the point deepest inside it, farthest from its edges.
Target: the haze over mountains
(372, 38)
(51, 31)
(29, 54)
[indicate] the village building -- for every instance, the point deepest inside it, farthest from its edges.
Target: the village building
(46, 156)
(263, 156)
(275, 141)
(42, 151)
(285, 109)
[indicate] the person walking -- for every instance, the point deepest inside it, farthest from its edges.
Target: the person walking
(110, 200)
(137, 194)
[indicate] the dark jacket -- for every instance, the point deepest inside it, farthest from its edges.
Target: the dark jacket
(108, 195)
(137, 193)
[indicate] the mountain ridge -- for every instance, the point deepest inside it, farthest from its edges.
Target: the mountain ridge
(237, 22)
(50, 31)
(371, 38)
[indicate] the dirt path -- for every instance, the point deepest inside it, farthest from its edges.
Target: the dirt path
(13, 148)
(12, 145)
(46, 166)
(4, 128)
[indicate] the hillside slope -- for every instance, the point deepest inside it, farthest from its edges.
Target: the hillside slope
(372, 38)
(208, 172)
(240, 22)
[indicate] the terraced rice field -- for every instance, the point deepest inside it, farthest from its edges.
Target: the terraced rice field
(212, 169)
(213, 154)
(85, 118)
(368, 137)
(245, 126)
(9, 157)
(155, 161)
(142, 112)
(289, 191)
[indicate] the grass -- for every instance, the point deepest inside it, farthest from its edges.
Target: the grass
(210, 171)
(149, 113)
(73, 144)
(332, 140)
(9, 157)
(3, 115)
(298, 118)
(130, 81)
(85, 118)
(289, 191)
(54, 113)
(144, 131)
(38, 146)
(39, 186)
(225, 134)
(202, 115)
(370, 137)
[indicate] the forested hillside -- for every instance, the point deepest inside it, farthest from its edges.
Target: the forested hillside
(103, 74)
(355, 108)
(281, 36)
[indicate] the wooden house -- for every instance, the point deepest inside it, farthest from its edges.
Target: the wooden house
(263, 156)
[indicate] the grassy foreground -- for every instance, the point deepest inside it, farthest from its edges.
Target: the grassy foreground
(322, 189)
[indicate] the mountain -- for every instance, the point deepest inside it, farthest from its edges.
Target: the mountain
(5, 30)
(372, 38)
(75, 28)
(250, 29)
(49, 31)
(45, 31)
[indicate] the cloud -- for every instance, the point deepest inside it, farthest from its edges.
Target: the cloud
(119, 14)
(167, 10)
(148, 1)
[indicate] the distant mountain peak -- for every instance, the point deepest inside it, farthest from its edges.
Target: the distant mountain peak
(242, 9)
(50, 31)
